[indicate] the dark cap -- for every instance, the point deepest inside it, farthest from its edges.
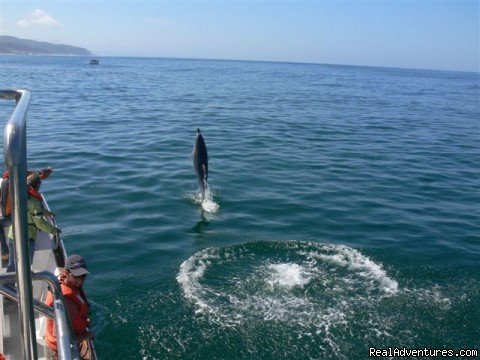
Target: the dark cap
(33, 179)
(76, 265)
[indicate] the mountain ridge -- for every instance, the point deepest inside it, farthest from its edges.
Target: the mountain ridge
(16, 46)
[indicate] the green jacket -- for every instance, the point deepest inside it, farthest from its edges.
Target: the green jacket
(36, 220)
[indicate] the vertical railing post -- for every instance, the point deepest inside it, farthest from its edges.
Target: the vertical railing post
(22, 257)
(15, 152)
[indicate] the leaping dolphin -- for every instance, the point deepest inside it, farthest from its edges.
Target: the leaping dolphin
(200, 162)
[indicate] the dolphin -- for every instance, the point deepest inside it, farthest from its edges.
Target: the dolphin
(200, 162)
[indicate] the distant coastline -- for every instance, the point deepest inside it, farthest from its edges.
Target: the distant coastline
(50, 49)
(10, 45)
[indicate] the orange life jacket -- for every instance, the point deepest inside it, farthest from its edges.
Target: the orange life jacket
(6, 200)
(33, 192)
(79, 322)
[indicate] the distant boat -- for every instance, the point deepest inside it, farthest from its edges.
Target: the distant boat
(94, 62)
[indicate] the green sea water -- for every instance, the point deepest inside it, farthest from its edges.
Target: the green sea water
(344, 209)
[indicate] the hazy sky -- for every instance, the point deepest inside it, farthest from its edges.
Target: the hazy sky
(408, 34)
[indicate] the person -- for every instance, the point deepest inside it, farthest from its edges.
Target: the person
(6, 206)
(71, 283)
(35, 217)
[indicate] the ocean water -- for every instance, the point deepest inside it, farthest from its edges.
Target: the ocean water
(344, 210)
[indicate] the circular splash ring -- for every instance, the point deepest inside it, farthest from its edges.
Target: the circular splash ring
(306, 284)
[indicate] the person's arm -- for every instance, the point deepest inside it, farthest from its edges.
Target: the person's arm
(44, 173)
(72, 308)
(41, 223)
(73, 311)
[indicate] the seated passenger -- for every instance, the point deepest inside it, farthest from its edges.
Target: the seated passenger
(77, 305)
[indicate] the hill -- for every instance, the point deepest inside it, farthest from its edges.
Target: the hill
(13, 45)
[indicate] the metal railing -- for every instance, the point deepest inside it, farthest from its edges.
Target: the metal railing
(15, 153)
(65, 344)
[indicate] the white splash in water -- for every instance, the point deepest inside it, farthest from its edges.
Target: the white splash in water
(288, 276)
(269, 289)
(207, 203)
(351, 259)
(210, 206)
(317, 290)
(191, 271)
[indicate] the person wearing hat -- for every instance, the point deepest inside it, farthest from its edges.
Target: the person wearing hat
(35, 218)
(6, 205)
(71, 283)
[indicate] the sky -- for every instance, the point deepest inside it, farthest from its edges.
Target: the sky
(441, 35)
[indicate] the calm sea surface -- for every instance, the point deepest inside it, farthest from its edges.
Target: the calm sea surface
(348, 203)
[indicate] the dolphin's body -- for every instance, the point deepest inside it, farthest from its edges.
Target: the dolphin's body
(200, 162)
